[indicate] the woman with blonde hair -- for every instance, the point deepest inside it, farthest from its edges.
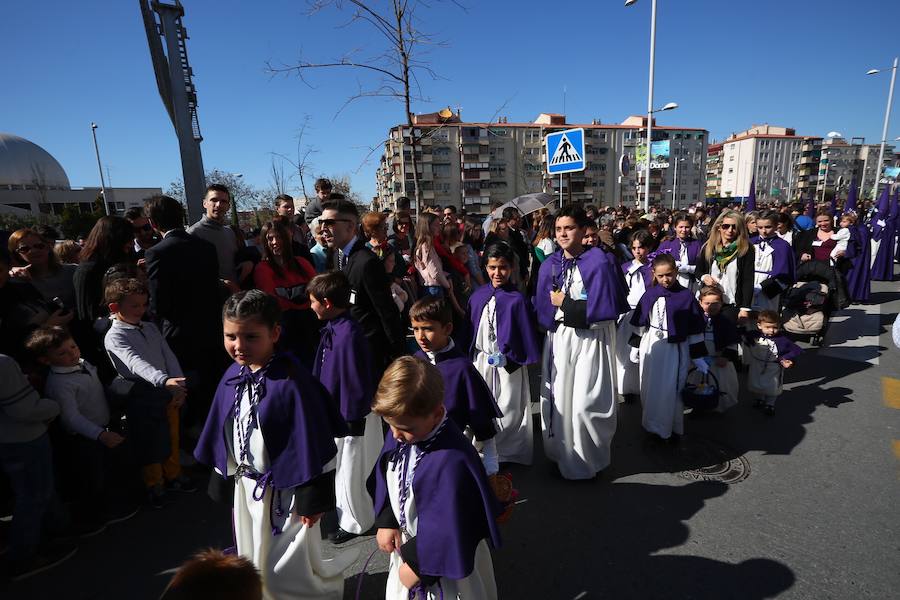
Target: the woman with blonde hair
(727, 260)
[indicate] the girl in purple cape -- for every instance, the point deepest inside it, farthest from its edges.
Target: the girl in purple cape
(638, 277)
(684, 248)
(436, 509)
(504, 344)
(272, 427)
(672, 327)
(580, 294)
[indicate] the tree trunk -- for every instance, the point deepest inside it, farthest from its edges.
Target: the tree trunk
(413, 138)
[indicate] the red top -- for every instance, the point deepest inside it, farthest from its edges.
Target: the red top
(451, 260)
(289, 288)
(823, 250)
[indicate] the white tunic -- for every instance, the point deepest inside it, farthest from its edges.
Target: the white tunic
(727, 280)
(664, 369)
(686, 270)
(478, 585)
(290, 563)
(764, 375)
(726, 376)
(356, 457)
(765, 255)
(515, 438)
(578, 394)
(627, 373)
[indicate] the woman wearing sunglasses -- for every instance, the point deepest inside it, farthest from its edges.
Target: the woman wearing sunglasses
(727, 260)
(33, 259)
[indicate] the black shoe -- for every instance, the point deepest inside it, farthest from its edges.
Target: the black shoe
(120, 512)
(182, 483)
(53, 554)
(769, 410)
(156, 496)
(758, 403)
(341, 537)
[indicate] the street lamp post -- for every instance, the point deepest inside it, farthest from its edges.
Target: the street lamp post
(649, 99)
(887, 119)
(100, 168)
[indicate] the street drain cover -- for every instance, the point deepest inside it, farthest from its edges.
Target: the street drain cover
(702, 459)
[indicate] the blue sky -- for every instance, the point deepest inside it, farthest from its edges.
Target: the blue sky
(728, 63)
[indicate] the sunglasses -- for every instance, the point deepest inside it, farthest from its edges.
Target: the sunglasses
(728, 226)
(144, 227)
(27, 249)
(330, 222)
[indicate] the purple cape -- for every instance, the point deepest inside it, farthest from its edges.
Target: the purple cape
(298, 420)
(517, 335)
(344, 366)
(673, 247)
(782, 259)
(725, 332)
(684, 316)
(859, 252)
(456, 506)
(603, 282)
(786, 348)
(883, 265)
(645, 270)
(467, 398)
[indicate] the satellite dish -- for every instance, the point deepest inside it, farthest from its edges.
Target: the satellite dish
(446, 113)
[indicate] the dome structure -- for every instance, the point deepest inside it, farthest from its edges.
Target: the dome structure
(25, 165)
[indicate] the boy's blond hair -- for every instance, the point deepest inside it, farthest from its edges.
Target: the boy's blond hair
(410, 387)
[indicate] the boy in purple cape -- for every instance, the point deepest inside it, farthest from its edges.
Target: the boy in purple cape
(769, 354)
(672, 324)
(505, 341)
(436, 509)
(774, 264)
(343, 364)
(272, 427)
(684, 248)
(638, 277)
(467, 398)
(580, 294)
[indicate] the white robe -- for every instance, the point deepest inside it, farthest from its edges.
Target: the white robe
(628, 376)
(686, 270)
(763, 266)
(664, 368)
(515, 438)
(578, 394)
(290, 563)
(726, 376)
(478, 585)
(356, 459)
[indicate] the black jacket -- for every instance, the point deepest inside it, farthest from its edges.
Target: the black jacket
(183, 277)
(746, 269)
(373, 306)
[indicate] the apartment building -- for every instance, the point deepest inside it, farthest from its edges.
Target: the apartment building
(843, 163)
(714, 170)
(474, 164)
(783, 164)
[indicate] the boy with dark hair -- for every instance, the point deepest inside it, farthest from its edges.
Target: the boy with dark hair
(344, 366)
(436, 510)
(467, 398)
(768, 352)
(143, 359)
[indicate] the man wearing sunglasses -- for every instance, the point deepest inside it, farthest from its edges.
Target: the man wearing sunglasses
(144, 235)
(371, 302)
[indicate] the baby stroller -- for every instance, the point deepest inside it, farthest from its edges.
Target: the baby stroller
(809, 303)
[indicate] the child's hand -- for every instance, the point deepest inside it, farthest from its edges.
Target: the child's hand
(407, 577)
(110, 439)
(388, 540)
(721, 362)
(174, 385)
(556, 298)
(311, 520)
(787, 364)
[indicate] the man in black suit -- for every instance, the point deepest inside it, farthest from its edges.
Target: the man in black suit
(517, 242)
(186, 299)
(372, 304)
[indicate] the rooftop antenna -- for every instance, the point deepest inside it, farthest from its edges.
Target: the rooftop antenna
(174, 79)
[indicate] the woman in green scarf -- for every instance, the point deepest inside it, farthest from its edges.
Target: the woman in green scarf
(727, 261)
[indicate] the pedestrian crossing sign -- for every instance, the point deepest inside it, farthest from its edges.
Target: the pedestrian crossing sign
(565, 151)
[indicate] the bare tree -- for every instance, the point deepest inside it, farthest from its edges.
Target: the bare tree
(394, 69)
(279, 184)
(302, 164)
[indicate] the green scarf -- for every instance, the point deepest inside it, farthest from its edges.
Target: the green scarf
(726, 255)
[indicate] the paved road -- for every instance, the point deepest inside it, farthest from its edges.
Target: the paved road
(811, 510)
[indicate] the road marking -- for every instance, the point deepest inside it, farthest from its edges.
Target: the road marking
(890, 392)
(896, 445)
(853, 334)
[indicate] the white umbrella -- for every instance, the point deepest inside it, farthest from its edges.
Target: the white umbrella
(526, 204)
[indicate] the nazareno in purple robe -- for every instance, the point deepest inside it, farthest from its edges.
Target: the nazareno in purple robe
(673, 247)
(783, 266)
(298, 420)
(859, 253)
(467, 397)
(517, 336)
(343, 365)
(456, 506)
(883, 266)
(684, 317)
(603, 282)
